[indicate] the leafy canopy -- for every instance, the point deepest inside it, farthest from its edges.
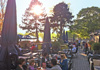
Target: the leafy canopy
(61, 18)
(88, 20)
(33, 22)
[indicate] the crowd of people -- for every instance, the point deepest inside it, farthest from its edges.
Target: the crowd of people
(46, 64)
(26, 48)
(82, 44)
(52, 64)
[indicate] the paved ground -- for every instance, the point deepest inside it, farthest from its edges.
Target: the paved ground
(80, 61)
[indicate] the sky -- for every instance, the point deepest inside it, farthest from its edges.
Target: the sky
(75, 7)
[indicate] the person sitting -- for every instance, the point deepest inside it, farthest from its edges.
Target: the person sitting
(45, 61)
(54, 65)
(64, 62)
(21, 63)
(31, 65)
(74, 48)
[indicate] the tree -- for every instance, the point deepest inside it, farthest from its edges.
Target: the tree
(62, 17)
(2, 12)
(32, 19)
(88, 21)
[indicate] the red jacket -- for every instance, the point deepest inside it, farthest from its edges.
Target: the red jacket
(33, 47)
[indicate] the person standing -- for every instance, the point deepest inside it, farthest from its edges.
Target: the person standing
(21, 63)
(86, 48)
(64, 62)
(54, 65)
(79, 41)
(45, 60)
(32, 48)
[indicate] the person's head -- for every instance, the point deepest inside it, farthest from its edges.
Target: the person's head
(53, 62)
(45, 54)
(21, 61)
(63, 56)
(19, 46)
(33, 45)
(73, 43)
(31, 63)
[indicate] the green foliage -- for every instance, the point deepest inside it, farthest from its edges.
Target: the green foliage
(61, 41)
(96, 46)
(65, 46)
(25, 43)
(41, 35)
(39, 46)
(55, 46)
(33, 23)
(70, 34)
(61, 18)
(88, 20)
(91, 44)
(58, 45)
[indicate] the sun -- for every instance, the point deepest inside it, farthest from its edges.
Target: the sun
(37, 10)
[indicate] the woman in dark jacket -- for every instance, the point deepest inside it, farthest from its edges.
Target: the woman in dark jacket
(64, 62)
(21, 63)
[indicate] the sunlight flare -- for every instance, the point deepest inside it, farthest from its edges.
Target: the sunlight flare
(37, 10)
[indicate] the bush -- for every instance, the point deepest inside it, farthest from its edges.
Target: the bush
(61, 41)
(96, 47)
(64, 46)
(91, 44)
(25, 44)
(55, 47)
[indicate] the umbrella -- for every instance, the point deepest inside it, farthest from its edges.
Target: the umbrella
(20, 36)
(47, 37)
(99, 38)
(63, 36)
(66, 37)
(9, 34)
(27, 36)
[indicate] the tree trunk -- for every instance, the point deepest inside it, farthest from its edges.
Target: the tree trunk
(36, 28)
(37, 34)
